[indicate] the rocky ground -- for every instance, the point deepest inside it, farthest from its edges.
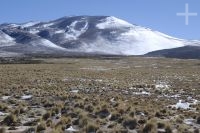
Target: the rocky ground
(103, 95)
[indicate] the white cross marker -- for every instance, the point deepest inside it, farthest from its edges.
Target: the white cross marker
(187, 14)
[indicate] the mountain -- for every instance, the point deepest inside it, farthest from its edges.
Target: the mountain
(101, 35)
(187, 52)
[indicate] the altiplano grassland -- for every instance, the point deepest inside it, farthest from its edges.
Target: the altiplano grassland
(103, 95)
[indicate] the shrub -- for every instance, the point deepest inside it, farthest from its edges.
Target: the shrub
(17, 112)
(57, 110)
(46, 116)
(99, 131)
(31, 130)
(22, 110)
(89, 108)
(168, 129)
(198, 120)
(149, 127)
(91, 128)
(75, 122)
(115, 116)
(63, 122)
(57, 131)
(132, 114)
(161, 125)
(83, 122)
(182, 129)
(103, 113)
(142, 121)
(2, 130)
(3, 107)
(10, 120)
(41, 127)
(121, 111)
(196, 131)
(158, 114)
(49, 123)
(130, 123)
(164, 111)
(12, 128)
(179, 120)
(31, 123)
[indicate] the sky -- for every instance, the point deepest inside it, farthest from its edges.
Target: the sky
(160, 15)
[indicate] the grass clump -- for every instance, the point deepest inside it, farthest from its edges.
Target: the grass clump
(168, 129)
(150, 127)
(130, 123)
(2, 130)
(198, 120)
(41, 127)
(46, 116)
(10, 120)
(91, 128)
(83, 122)
(115, 116)
(196, 131)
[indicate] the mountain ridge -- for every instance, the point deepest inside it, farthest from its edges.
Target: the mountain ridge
(106, 35)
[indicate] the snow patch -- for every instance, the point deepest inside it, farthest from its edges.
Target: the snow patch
(142, 93)
(96, 68)
(71, 129)
(29, 24)
(186, 104)
(59, 31)
(6, 40)
(3, 114)
(113, 22)
(14, 25)
(73, 33)
(112, 100)
(74, 91)
(189, 121)
(34, 31)
(192, 122)
(175, 96)
(26, 97)
(182, 105)
(5, 97)
(47, 43)
(47, 25)
(162, 86)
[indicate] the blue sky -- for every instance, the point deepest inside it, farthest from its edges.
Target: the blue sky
(155, 14)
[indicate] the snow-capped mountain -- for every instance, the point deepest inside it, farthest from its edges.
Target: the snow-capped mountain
(84, 34)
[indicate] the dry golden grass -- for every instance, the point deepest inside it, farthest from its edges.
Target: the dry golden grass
(95, 94)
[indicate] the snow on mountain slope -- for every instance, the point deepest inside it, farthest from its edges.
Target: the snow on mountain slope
(141, 41)
(24, 25)
(86, 34)
(138, 40)
(6, 40)
(29, 24)
(47, 25)
(112, 22)
(46, 43)
(73, 33)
